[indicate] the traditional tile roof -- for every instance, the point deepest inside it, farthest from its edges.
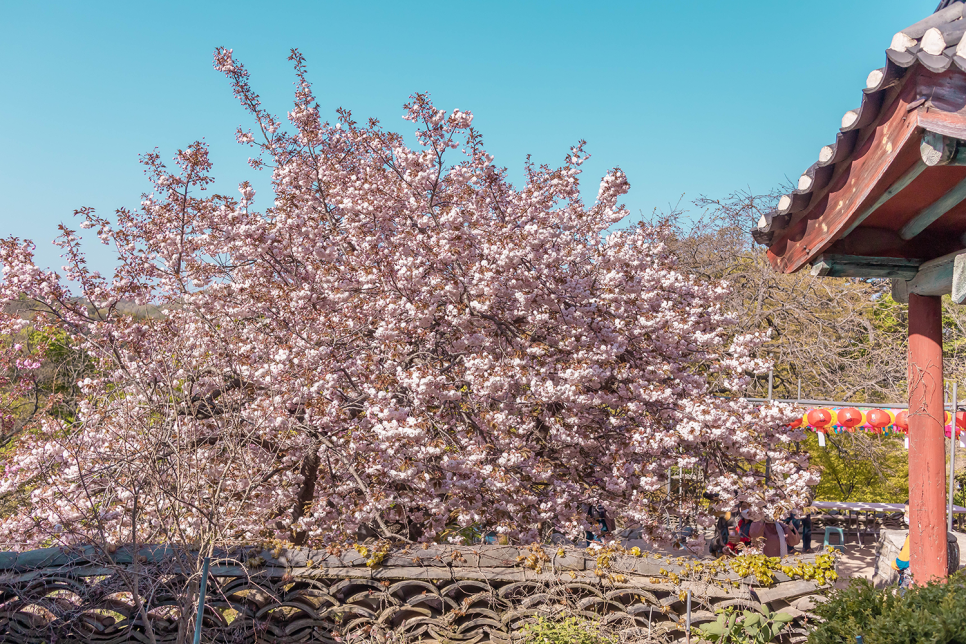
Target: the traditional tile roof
(936, 43)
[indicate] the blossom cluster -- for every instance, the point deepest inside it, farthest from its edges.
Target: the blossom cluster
(402, 340)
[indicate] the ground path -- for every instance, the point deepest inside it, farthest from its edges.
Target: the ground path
(855, 561)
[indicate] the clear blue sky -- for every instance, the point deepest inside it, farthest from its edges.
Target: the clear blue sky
(688, 98)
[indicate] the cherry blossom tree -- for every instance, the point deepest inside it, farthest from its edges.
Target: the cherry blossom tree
(402, 342)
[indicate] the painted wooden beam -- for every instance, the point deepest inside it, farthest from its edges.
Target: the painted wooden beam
(900, 290)
(935, 277)
(958, 290)
(934, 211)
(859, 266)
(937, 149)
(944, 123)
(946, 274)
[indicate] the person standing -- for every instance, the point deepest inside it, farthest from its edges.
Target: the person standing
(776, 538)
(807, 521)
(807, 530)
(598, 514)
(803, 526)
(901, 563)
(720, 541)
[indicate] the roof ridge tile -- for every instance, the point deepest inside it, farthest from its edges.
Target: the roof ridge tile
(937, 41)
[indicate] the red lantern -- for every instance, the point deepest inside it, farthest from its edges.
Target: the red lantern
(960, 423)
(797, 422)
(850, 418)
(879, 419)
(902, 421)
(819, 419)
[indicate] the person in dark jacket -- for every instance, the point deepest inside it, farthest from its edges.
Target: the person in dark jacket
(807, 530)
(720, 540)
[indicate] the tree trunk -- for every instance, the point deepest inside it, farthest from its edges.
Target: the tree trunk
(310, 473)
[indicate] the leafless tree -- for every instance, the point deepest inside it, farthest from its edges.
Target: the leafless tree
(839, 339)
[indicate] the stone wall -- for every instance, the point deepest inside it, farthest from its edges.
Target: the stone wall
(460, 595)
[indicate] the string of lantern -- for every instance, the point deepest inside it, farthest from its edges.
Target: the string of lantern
(823, 421)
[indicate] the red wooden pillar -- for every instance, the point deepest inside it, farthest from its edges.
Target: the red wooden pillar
(927, 453)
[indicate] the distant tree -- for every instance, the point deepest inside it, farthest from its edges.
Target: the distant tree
(859, 467)
(40, 371)
(830, 339)
(401, 342)
(842, 339)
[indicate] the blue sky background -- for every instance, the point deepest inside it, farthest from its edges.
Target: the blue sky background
(689, 98)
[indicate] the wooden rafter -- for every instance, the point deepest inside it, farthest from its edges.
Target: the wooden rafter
(900, 184)
(828, 216)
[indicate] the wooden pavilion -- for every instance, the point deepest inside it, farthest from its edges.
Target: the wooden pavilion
(887, 199)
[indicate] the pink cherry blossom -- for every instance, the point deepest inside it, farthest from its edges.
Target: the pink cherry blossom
(397, 336)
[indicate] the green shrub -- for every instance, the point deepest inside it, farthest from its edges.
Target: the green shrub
(934, 613)
(570, 630)
(746, 627)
